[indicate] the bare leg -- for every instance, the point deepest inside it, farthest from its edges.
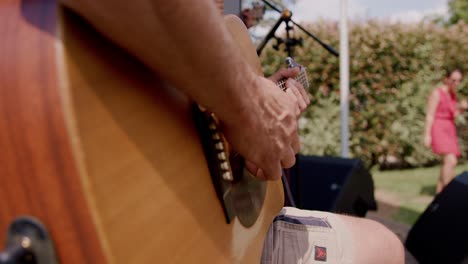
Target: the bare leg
(373, 242)
(447, 171)
(352, 240)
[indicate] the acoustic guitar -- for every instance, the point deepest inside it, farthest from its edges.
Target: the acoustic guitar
(111, 160)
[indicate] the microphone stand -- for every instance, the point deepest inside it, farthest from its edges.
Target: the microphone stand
(289, 42)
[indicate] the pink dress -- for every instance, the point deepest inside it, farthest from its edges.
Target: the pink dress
(444, 132)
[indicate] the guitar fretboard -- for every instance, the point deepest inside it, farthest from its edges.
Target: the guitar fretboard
(301, 78)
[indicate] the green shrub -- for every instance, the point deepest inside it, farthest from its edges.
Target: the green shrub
(393, 67)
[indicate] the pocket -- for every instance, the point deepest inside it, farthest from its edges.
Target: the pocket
(292, 246)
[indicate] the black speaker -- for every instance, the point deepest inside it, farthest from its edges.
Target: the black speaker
(332, 184)
(440, 235)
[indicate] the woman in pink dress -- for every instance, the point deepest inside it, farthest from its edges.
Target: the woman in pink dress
(440, 131)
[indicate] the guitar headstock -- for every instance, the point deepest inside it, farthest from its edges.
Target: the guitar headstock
(302, 76)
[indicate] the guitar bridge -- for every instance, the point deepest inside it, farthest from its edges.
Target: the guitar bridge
(217, 159)
(240, 193)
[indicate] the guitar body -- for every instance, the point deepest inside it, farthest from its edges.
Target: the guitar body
(104, 153)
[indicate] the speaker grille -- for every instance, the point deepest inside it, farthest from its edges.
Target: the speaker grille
(332, 184)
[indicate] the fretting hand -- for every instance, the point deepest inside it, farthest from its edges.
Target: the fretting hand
(267, 138)
(294, 88)
(297, 95)
(464, 104)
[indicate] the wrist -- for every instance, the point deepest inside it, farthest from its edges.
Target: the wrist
(242, 99)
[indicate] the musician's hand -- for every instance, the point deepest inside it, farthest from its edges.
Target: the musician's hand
(294, 88)
(464, 104)
(266, 136)
(427, 140)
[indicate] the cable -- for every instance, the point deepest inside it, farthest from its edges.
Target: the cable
(287, 190)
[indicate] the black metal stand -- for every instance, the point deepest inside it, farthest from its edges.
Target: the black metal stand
(287, 190)
(289, 41)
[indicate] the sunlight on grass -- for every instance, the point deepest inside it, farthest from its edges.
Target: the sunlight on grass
(414, 189)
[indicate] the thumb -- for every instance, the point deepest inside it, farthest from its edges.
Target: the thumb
(254, 170)
(284, 73)
(289, 72)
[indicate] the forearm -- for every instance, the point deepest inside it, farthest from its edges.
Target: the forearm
(432, 103)
(193, 52)
(428, 125)
(187, 44)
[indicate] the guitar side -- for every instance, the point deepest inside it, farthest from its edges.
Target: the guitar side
(137, 182)
(38, 173)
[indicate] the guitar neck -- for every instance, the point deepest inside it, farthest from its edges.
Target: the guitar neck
(301, 78)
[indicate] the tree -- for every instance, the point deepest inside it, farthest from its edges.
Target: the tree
(458, 10)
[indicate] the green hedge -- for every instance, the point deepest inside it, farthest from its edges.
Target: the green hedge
(393, 67)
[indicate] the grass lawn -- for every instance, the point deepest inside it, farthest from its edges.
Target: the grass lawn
(411, 190)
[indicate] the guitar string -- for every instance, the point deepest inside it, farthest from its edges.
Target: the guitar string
(301, 78)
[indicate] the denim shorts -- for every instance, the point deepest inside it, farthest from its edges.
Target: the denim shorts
(305, 237)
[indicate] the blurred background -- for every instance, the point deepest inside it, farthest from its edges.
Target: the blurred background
(399, 51)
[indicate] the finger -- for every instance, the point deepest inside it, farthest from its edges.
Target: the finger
(255, 171)
(293, 97)
(291, 84)
(289, 159)
(284, 73)
(251, 167)
(278, 76)
(289, 72)
(295, 143)
(271, 172)
(260, 175)
(303, 92)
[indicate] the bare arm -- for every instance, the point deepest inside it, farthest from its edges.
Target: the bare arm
(188, 45)
(175, 39)
(462, 106)
(432, 103)
(294, 88)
